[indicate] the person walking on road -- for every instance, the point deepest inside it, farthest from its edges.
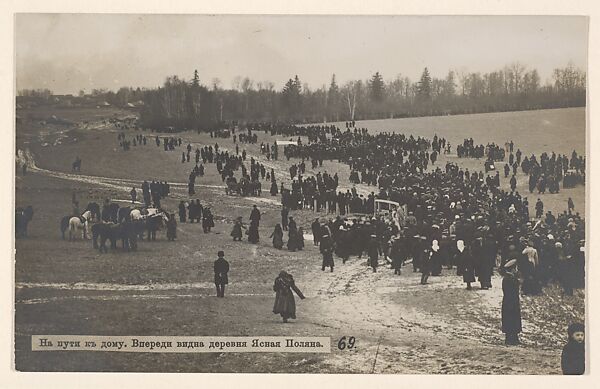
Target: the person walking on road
(285, 305)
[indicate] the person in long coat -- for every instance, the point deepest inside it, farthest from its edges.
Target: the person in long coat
(300, 238)
(511, 304)
(292, 243)
(221, 268)
(274, 190)
(489, 251)
(398, 254)
(255, 215)
(253, 236)
(436, 258)
(467, 263)
(182, 212)
(426, 264)
(236, 232)
(207, 220)
(326, 249)
(277, 236)
(316, 231)
(171, 228)
(285, 305)
(342, 244)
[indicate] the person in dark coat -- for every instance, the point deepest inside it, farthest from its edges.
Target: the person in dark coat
(172, 228)
(191, 211)
(466, 262)
(253, 236)
(255, 215)
(572, 359)
(489, 250)
(436, 258)
(342, 244)
(316, 231)
(285, 305)
(511, 304)
(277, 236)
(274, 190)
(373, 251)
(398, 254)
(207, 220)
(426, 264)
(300, 238)
(285, 211)
(221, 268)
(326, 249)
(199, 211)
(292, 243)
(133, 195)
(236, 231)
(182, 212)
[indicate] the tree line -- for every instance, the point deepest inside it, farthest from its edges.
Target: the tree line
(192, 105)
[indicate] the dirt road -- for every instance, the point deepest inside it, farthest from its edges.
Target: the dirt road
(166, 288)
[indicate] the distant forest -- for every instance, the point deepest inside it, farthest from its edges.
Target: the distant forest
(190, 104)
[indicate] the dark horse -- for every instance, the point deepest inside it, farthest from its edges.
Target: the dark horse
(110, 213)
(126, 232)
(22, 219)
(155, 223)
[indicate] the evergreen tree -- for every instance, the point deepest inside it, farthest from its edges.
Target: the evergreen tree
(333, 99)
(297, 85)
(196, 79)
(377, 88)
(424, 85)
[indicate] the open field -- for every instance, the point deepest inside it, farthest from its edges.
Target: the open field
(165, 288)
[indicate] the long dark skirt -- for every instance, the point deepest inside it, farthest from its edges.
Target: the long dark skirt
(285, 305)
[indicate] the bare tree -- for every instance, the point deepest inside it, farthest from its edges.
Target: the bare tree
(351, 92)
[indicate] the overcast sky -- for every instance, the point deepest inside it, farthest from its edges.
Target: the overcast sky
(69, 52)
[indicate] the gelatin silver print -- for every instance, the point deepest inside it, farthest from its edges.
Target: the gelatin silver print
(300, 194)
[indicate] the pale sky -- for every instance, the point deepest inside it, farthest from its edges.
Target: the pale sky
(69, 52)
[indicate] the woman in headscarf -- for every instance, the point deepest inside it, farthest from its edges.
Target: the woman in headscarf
(511, 304)
(277, 236)
(436, 258)
(285, 305)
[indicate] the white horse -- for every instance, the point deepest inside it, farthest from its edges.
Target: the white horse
(75, 224)
(136, 214)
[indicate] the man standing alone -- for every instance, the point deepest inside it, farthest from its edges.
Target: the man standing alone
(221, 268)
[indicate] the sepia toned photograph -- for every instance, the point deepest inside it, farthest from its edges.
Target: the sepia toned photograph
(300, 194)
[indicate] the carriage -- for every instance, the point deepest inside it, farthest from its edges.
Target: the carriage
(232, 186)
(489, 165)
(222, 133)
(244, 187)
